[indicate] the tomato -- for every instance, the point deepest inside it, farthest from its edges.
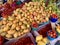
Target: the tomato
(34, 24)
(54, 16)
(7, 5)
(52, 34)
(4, 15)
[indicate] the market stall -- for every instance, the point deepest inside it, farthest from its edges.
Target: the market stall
(30, 22)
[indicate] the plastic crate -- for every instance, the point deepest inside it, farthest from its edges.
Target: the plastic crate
(15, 40)
(41, 28)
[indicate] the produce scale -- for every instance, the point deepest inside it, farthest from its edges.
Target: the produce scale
(29, 22)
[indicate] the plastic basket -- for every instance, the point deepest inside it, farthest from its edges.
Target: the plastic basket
(27, 35)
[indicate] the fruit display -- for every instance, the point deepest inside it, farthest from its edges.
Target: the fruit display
(13, 26)
(33, 12)
(34, 26)
(52, 34)
(53, 18)
(20, 18)
(9, 8)
(41, 41)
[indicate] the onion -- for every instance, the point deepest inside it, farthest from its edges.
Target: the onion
(11, 31)
(15, 35)
(17, 28)
(8, 36)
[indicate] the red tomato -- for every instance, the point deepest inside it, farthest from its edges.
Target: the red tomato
(34, 24)
(7, 5)
(51, 35)
(4, 15)
(54, 16)
(51, 32)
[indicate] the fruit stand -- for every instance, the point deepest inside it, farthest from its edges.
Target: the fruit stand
(29, 22)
